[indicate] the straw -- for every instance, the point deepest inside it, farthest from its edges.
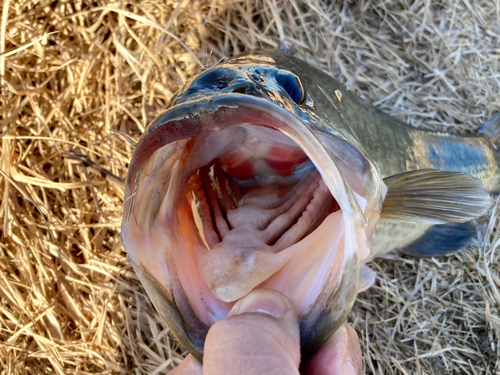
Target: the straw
(71, 72)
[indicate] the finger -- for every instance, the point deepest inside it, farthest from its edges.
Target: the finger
(190, 366)
(259, 336)
(341, 355)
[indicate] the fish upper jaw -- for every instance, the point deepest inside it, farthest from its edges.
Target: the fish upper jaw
(205, 268)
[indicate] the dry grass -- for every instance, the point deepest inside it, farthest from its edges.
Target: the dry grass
(72, 71)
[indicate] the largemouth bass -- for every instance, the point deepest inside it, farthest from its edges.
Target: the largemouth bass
(265, 172)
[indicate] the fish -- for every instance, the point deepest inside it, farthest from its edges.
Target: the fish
(266, 172)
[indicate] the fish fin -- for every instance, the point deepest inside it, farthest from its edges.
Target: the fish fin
(442, 240)
(491, 127)
(366, 278)
(430, 196)
(282, 47)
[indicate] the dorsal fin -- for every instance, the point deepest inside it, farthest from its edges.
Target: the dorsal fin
(491, 127)
(282, 47)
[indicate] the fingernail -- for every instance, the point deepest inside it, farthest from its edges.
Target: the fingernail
(263, 301)
(348, 368)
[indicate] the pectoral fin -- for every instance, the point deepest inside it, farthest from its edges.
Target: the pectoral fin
(366, 278)
(434, 197)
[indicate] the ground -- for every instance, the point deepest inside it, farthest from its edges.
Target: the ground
(71, 71)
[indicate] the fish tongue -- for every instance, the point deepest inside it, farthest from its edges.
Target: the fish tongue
(238, 264)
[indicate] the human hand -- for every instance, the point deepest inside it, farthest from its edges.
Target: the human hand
(261, 336)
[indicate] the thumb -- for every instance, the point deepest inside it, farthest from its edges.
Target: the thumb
(259, 336)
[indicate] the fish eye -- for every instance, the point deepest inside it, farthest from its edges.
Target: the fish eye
(292, 85)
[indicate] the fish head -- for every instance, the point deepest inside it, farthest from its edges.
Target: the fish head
(250, 179)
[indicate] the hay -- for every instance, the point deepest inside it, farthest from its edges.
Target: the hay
(72, 71)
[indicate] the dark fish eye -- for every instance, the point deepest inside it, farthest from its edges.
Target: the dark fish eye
(291, 84)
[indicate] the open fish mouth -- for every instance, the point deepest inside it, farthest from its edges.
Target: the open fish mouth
(232, 193)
